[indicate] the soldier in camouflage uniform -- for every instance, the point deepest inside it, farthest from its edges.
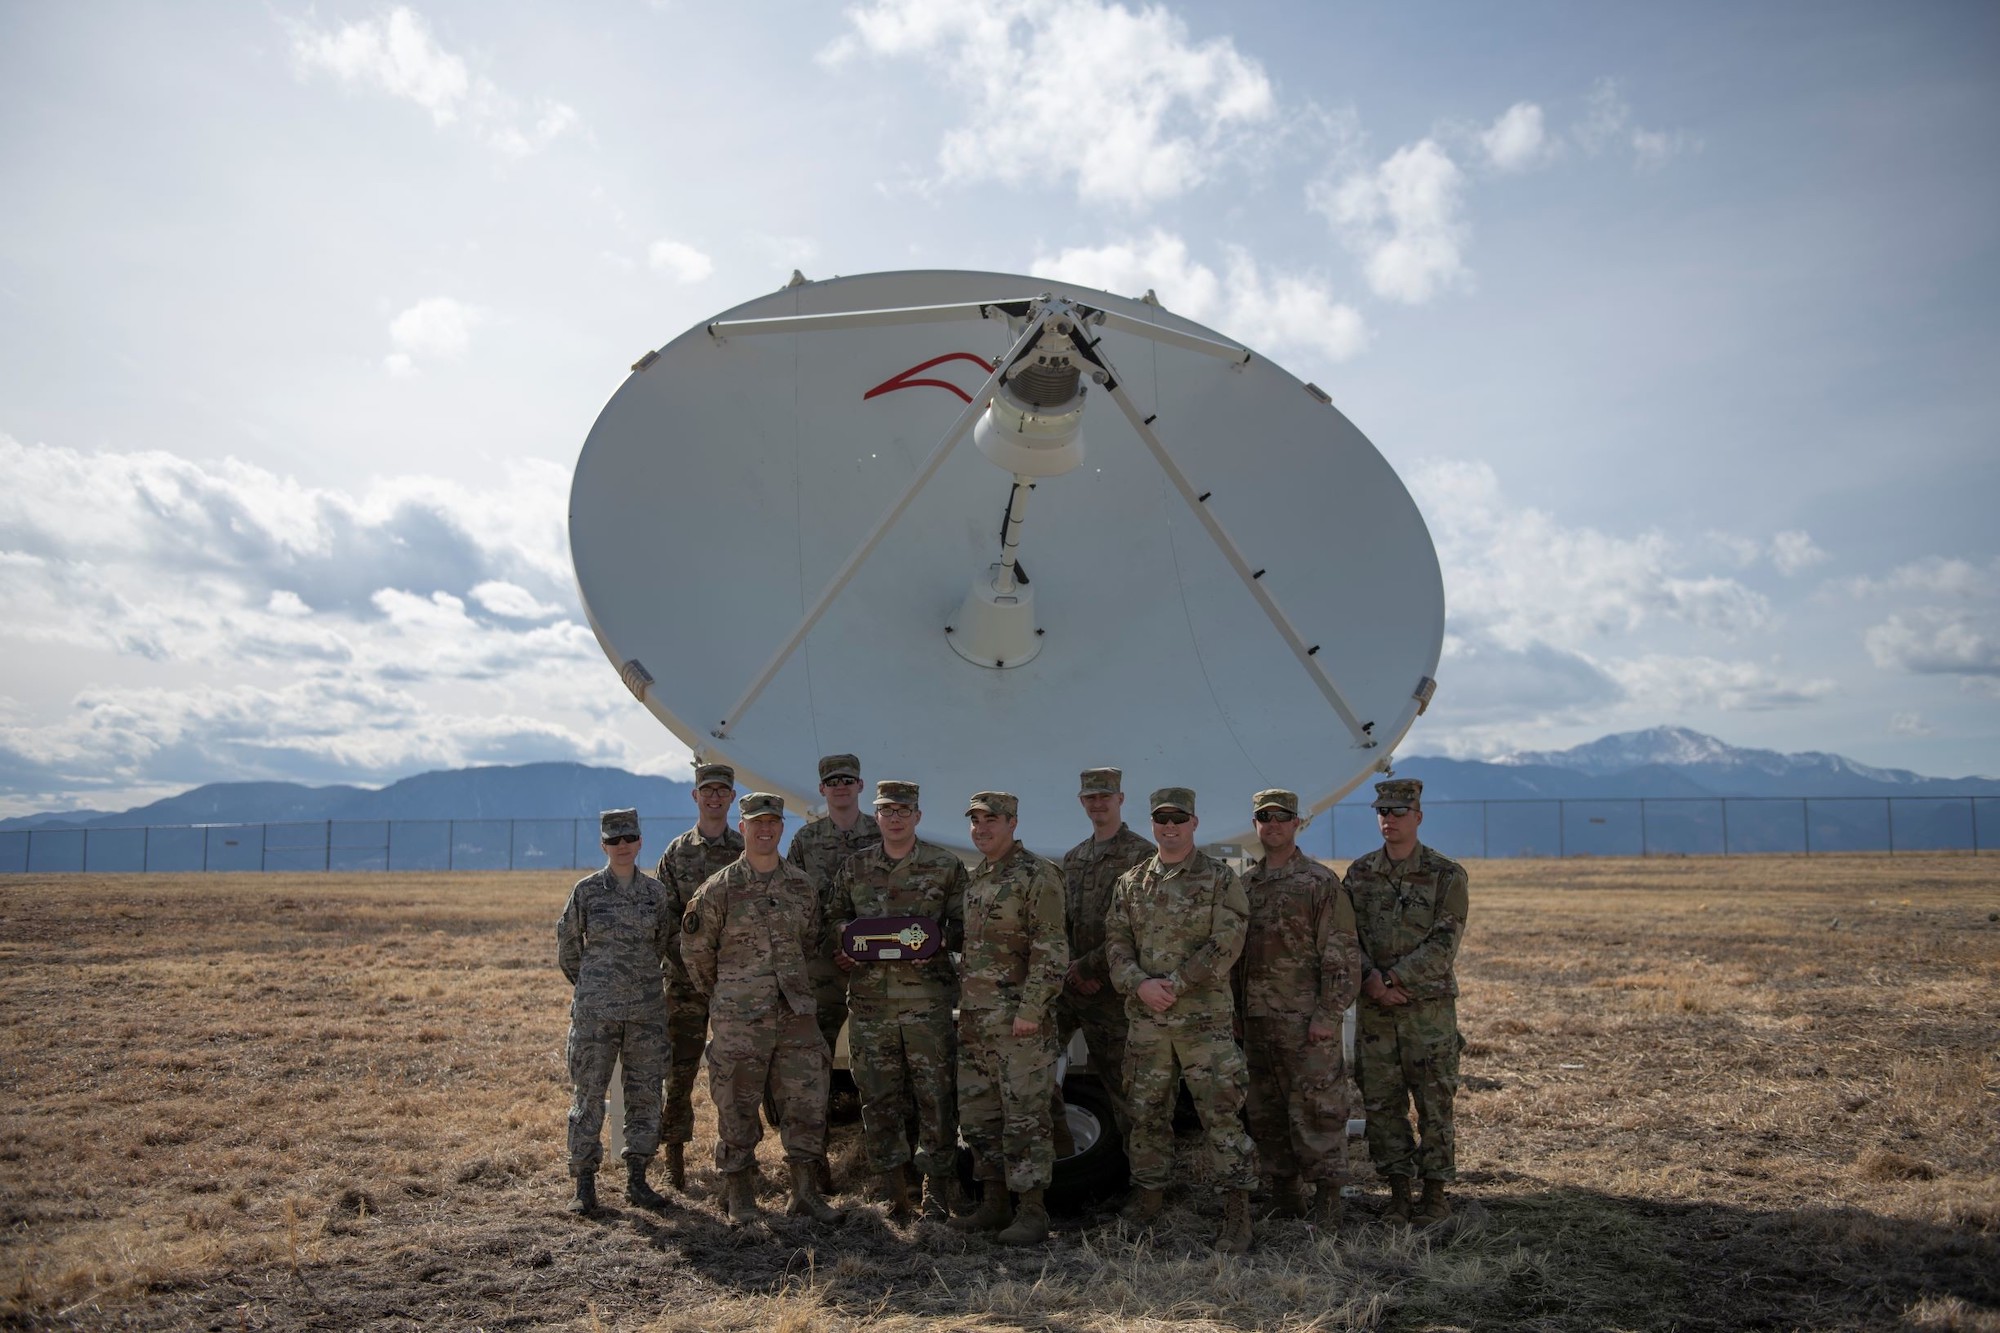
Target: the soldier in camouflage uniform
(1088, 999)
(1016, 951)
(688, 861)
(611, 942)
(745, 940)
(1174, 929)
(1409, 907)
(1301, 968)
(818, 849)
(899, 1033)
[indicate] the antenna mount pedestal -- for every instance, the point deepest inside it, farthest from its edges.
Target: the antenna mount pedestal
(996, 623)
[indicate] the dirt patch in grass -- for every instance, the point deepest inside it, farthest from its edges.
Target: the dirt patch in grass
(1700, 1094)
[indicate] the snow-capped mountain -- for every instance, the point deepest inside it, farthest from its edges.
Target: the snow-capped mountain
(1720, 767)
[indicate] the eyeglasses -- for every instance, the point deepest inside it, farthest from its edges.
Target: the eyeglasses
(620, 839)
(1275, 816)
(1175, 817)
(841, 782)
(896, 810)
(1397, 810)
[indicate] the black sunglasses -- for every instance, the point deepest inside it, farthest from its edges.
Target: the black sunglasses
(1175, 818)
(1397, 810)
(841, 782)
(620, 838)
(1275, 816)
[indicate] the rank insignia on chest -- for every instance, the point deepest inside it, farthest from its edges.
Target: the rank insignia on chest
(887, 939)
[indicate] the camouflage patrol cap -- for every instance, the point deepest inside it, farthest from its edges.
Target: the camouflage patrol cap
(617, 823)
(998, 803)
(839, 766)
(712, 775)
(897, 793)
(1101, 781)
(1172, 798)
(1399, 791)
(1275, 798)
(760, 803)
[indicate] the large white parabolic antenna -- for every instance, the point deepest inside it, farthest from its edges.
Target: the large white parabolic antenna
(804, 527)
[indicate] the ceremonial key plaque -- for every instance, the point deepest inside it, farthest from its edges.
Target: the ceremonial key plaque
(891, 939)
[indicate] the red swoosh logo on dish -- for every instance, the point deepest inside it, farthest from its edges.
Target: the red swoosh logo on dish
(907, 380)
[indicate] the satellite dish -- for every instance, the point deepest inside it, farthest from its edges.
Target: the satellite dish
(986, 531)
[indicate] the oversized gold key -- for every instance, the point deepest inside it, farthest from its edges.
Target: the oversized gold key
(888, 939)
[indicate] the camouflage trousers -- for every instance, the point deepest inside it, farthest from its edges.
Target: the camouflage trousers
(1102, 1019)
(1003, 1096)
(903, 1054)
(1297, 1107)
(829, 985)
(687, 1036)
(1402, 1054)
(781, 1054)
(595, 1045)
(1201, 1049)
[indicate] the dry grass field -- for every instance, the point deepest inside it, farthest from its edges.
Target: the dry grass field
(1701, 1094)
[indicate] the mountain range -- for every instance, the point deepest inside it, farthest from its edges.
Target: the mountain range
(1656, 763)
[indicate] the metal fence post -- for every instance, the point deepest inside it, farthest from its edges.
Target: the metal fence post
(1725, 825)
(146, 849)
(1485, 841)
(263, 846)
(1645, 844)
(1805, 822)
(1889, 809)
(329, 844)
(510, 844)
(450, 843)
(1972, 813)
(1562, 830)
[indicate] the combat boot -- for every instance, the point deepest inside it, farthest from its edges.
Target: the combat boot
(637, 1191)
(1234, 1238)
(1328, 1207)
(1288, 1197)
(895, 1187)
(822, 1171)
(995, 1209)
(1144, 1205)
(937, 1197)
(1398, 1210)
(1031, 1221)
(585, 1202)
(739, 1197)
(1433, 1208)
(806, 1198)
(677, 1166)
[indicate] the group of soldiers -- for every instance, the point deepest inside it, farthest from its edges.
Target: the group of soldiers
(960, 987)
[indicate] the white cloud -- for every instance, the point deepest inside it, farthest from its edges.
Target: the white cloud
(1607, 124)
(1909, 724)
(396, 54)
(1403, 220)
(316, 635)
(436, 327)
(1795, 552)
(1265, 309)
(513, 601)
(1934, 576)
(678, 260)
(1671, 684)
(1931, 640)
(1518, 140)
(1124, 103)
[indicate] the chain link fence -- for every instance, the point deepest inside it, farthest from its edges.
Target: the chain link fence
(1666, 826)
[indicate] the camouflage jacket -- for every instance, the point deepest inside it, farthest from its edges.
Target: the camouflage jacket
(612, 943)
(1184, 923)
(1410, 915)
(688, 861)
(1089, 870)
(1016, 948)
(1300, 955)
(745, 940)
(930, 882)
(818, 849)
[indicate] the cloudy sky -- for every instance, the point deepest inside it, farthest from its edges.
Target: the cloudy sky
(1679, 321)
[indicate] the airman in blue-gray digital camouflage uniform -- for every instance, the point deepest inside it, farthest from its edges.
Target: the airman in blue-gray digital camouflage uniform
(1173, 931)
(612, 941)
(1409, 908)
